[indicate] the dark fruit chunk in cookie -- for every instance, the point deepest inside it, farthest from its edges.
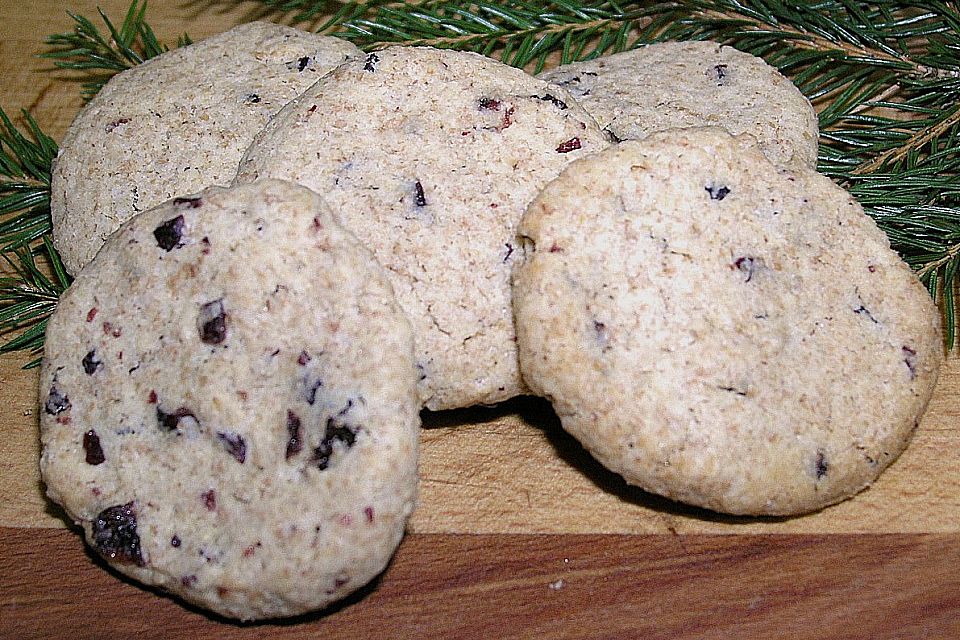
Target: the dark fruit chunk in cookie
(370, 64)
(169, 233)
(90, 362)
(234, 444)
(171, 421)
(717, 193)
(57, 401)
(570, 145)
(335, 432)
(212, 322)
(294, 435)
(92, 448)
(115, 534)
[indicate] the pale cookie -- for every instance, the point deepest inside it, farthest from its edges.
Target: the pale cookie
(430, 157)
(720, 331)
(176, 124)
(228, 403)
(692, 84)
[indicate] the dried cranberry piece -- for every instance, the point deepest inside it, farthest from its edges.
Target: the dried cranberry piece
(821, 465)
(110, 126)
(303, 63)
(235, 445)
(169, 233)
(175, 541)
(421, 199)
(570, 145)
(57, 401)
(115, 534)
(252, 98)
(717, 193)
(747, 265)
(294, 435)
(303, 358)
(189, 203)
(557, 102)
(171, 421)
(719, 73)
(910, 359)
(489, 104)
(209, 500)
(90, 362)
(370, 64)
(212, 322)
(92, 448)
(335, 432)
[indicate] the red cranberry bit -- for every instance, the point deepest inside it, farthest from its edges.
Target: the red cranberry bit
(821, 465)
(189, 203)
(234, 444)
(871, 268)
(91, 314)
(717, 193)
(57, 401)
(212, 322)
(557, 102)
(719, 74)
(368, 513)
(555, 248)
(747, 265)
(175, 541)
(489, 104)
(910, 359)
(421, 199)
(114, 533)
(188, 581)
(222, 592)
(110, 126)
(110, 330)
(171, 421)
(294, 435)
(92, 448)
(209, 500)
(334, 433)
(90, 362)
(152, 398)
(370, 64)
(303, 358)
(570, 145)
(169, 234)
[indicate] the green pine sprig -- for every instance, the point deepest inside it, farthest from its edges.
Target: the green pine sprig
(98, 56)
(25, 160)
(29, 296)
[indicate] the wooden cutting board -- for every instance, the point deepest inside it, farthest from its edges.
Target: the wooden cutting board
(518, 533)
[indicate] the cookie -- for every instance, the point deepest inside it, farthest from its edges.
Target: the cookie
(430, 157)
(176, 124)
(720, 331)
(693, 84)
(228, 403)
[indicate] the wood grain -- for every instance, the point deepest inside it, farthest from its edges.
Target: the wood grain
(540, 586)
(510, 505)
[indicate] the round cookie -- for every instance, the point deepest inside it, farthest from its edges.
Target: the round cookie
(720, 331)
(430, 157)
(228, 403)
(693, 84)
(176, 124)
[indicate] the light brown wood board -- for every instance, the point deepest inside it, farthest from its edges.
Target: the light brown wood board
(492, 477)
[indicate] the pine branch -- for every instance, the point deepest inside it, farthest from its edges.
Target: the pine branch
(29, 297)
(25, 161)
(99, 56)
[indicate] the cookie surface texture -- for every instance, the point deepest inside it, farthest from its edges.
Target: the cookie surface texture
(176, 124)
(229, 403)
(695, 84)
(719, 331)
(430, 157)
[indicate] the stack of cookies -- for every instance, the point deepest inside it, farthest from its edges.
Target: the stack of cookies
(284, 248)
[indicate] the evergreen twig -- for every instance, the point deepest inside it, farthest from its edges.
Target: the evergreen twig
(99, 56)
(885, 76)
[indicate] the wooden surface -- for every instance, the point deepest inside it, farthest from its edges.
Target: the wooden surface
(518, 533)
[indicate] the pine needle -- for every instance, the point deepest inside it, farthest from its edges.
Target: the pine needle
(99, 56)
